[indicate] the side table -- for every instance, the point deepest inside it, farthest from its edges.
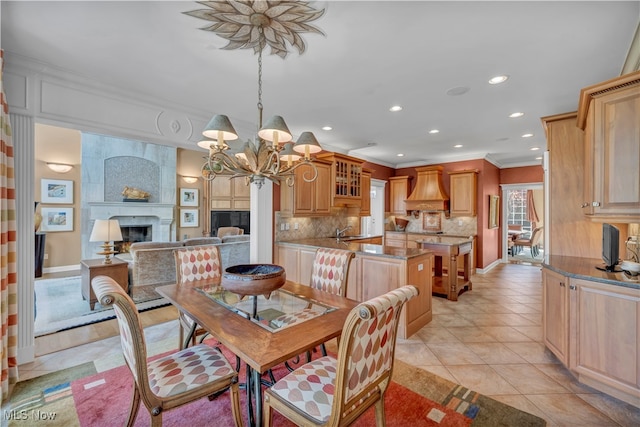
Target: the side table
(90, 268)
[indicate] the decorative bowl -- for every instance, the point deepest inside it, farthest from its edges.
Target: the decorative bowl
(253, 279)
(632, 267)
(401, 224)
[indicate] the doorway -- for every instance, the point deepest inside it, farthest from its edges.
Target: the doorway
(522, 212)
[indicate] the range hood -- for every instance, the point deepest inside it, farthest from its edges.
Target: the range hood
(429, 193)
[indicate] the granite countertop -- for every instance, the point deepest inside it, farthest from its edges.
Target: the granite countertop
(445, 240)
(430, 233)
(358, 248)
(585, 268)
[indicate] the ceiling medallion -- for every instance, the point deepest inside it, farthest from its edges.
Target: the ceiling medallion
(281, 21)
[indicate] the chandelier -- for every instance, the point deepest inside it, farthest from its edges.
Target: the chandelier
(271, 154)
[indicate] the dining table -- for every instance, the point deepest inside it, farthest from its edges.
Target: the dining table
(255, 329)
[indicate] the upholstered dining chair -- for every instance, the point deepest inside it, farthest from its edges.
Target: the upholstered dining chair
(195, 263)
(333, 391)
(532, 243)
(172, 380)
(230, 231)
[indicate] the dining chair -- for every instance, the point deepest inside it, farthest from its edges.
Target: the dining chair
(195, 263)
(174, 379)
(335, 391)
(230, 231)
(532, 243)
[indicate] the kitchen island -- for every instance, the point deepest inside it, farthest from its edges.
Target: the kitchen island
(446, 250)
(375, 270)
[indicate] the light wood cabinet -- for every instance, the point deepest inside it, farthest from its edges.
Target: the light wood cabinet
(346, 179)
(307, 198)
(398, 193)
(371, 276)
(365, 206)
(555, 313)
(463, 187)
(570, 232)
(608, 113)
(604, 346)
(229, 194)
(396, 239)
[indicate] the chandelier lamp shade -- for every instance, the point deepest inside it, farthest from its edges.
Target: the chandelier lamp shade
(271, 154)
(106, 230)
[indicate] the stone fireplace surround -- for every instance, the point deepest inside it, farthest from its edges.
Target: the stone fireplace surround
(109, 164)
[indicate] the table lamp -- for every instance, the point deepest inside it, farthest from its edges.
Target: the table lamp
(106, 230)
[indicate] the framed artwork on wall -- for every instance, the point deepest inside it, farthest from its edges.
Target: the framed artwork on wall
(188, 197)
(56, 191)
(57, 219)
(188, 217)
(494, 209)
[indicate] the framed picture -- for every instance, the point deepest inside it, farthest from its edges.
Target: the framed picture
(188, 217)
(57, 219)
(494, 209)
(56, 191)
(432, 221)
(188, 197)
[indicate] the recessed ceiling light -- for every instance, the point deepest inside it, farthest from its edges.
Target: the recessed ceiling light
(395, 108)
(527, 135)
(327, 128)
(460, 90)
(457, 146)
(498, 79)
(516, 115)
(400, 155)
(534, 148)
(538, 158)
(434, 131)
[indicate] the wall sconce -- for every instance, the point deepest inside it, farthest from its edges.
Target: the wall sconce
(59, 167)
(190, 179)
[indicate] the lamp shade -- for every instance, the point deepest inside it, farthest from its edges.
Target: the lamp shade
(219, 127)
(288, 154)
(105, 230)
(307, 144)
(276, 131)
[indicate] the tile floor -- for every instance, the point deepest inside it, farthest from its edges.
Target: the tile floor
(490, 340)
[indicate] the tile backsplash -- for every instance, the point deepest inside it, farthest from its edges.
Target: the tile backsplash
(463, 226)
(306, 228)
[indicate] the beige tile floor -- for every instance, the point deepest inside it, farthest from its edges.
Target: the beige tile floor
(490, 340)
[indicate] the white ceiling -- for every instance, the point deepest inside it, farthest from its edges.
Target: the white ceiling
(375, 54)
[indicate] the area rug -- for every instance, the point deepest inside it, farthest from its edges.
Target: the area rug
(81, 396)
(60, 306)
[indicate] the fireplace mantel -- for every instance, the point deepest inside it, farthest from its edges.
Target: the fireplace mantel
(106, 210)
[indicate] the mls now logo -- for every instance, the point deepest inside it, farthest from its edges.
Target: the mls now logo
(28, 415)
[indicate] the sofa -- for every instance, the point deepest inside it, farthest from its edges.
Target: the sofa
(153, 263)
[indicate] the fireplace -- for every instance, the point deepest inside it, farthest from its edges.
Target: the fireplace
(133, 234)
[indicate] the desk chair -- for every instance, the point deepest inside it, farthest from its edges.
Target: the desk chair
(195, 263)
(323, 392)
(195, 372)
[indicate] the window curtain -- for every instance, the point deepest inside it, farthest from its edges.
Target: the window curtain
(532, 215)
(8, 267)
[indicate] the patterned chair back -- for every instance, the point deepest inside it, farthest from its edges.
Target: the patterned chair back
(331, 270)
(196, 263)
(366, 354)
(134, 347)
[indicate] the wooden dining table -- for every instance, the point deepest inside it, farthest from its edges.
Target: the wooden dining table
(260, 348)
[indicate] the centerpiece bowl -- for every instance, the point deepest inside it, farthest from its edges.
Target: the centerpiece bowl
(253, 279)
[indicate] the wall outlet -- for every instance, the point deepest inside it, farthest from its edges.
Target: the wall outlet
(286, 227)
(46, 256)
(460, 223)
(282, 227)
(295, 226)
(420, 267)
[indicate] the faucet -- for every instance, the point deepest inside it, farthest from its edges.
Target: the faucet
(340, 233)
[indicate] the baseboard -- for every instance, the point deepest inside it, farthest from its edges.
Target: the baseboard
(61, 269)
(488, 268)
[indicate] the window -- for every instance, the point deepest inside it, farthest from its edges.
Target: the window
(517, 209)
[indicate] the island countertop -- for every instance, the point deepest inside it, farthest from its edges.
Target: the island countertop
(358, 248)
(585, 268)
(444, 240)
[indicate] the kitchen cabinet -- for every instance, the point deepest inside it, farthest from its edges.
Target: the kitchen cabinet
(307, 198)
(555, 314)
(346, 179)
(608, 113)
(398, 193)
(593, 325)
(463, 186)
(604, 346)
(365, 207)
(396, 239)
(229, 194)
